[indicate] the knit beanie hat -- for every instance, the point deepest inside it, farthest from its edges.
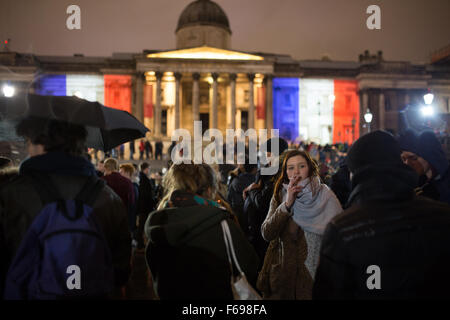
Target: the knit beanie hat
(429, 148)
(282, 144)
(378, 147)
(408, 141)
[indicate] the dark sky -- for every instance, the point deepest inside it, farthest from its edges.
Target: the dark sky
(304, 29)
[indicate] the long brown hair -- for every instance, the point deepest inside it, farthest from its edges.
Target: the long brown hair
(283, 177)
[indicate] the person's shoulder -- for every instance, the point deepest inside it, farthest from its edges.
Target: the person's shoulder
(109, 195)
(15, 183)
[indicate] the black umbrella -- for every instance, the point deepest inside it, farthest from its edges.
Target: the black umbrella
(107, 127)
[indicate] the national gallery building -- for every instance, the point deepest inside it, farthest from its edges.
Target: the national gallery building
(206, 79)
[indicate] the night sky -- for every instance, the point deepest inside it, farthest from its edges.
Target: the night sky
(304, 29)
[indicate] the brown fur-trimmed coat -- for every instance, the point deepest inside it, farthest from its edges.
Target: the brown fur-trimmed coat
(284, 274)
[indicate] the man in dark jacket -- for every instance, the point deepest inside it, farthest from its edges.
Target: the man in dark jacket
(390, 243)
(121, 185)
(56, 153)
(426, 156)
(159, 150)
(146, 201)
(340, 184)
(148, 150)
(257, 198)
(245, 177)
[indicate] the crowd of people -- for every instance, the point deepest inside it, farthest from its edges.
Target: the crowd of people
(310, 231)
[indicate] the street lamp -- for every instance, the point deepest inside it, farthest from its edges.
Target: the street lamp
(427, 110)
(368, 118)
(8, 90)
(428, 98)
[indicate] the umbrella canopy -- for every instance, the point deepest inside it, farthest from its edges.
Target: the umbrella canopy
(107, 127)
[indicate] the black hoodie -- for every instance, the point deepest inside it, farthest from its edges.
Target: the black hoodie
(186, 253)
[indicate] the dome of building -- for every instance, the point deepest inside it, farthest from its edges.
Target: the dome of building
(203, 12)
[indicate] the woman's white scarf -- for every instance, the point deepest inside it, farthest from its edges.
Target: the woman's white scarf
(312, 212)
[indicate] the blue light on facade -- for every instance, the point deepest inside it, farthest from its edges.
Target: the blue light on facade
(285, 107)
(52, 85)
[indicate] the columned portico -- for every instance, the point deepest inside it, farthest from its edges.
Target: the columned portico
(195, 96)
(214, 123)
(157, 116)
(177, 100)
(251, 105)
(233, 77)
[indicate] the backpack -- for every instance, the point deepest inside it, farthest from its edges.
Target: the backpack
(64, 253)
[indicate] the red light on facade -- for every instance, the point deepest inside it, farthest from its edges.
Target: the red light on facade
(6, 41)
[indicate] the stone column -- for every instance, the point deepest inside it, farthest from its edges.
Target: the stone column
(364, 107)
(269, 102)
(157, 115)
(407, 99)
(195, 97)
(381, 112)
(139, 98)
(251, 106)
(233, 100)
(214, 110)
(177, 100)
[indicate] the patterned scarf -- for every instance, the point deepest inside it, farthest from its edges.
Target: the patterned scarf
(313, 210)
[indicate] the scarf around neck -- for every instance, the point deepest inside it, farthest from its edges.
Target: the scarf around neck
(314, 206)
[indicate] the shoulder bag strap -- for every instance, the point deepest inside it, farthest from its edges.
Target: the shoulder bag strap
(229, 245)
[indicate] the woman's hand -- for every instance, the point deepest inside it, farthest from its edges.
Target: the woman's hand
(293, 190)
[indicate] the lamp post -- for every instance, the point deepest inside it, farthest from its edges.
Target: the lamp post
(368, 118)
(428, 98)
(8, 90)
(428, 110)
(353, 129)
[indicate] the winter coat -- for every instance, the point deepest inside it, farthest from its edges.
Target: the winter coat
(148, 147)
(256, 207)
(387, 227)
(186, 252)
(341, 185)
(122, 186)
(235, 199)
(146, 201)
(20, 203)
(284, 274)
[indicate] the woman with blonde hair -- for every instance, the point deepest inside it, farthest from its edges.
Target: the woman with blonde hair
(300, 209)
(186, 252)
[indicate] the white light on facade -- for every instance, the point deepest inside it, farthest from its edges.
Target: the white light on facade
(428, 98)
(8, 90)
(331, 98)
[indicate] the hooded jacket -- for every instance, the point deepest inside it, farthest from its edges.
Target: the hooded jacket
(431, 150)
(186, 252)
(427, 146)
(387, 231)
(20, 203)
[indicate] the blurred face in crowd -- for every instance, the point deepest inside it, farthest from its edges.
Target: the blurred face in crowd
(101, 167)
(125, 173)
(34, 149)
(297, 166)
(418, 164)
